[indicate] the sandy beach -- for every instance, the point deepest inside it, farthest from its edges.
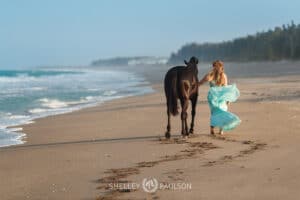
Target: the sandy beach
(77, 155)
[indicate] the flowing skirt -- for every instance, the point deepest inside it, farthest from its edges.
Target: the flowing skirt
(217, 98)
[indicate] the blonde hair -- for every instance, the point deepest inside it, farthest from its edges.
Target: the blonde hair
(217, 73)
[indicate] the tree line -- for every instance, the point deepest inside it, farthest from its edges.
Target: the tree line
(280, 43)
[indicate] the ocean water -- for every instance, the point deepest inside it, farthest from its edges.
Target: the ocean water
(29, 94)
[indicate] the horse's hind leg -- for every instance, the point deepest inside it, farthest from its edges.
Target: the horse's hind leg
(168, 132)
(194, 103)
(184, 127)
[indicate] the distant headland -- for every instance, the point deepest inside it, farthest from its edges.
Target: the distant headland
(130, 61)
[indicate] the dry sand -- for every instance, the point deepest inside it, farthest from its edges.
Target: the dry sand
(77, 155)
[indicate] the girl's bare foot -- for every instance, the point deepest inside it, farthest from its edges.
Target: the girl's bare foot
(184, 137)
(221, 132)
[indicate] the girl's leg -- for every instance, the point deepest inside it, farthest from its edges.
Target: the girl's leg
(212, 130)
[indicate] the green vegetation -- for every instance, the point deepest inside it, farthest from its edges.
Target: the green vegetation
(280, 43)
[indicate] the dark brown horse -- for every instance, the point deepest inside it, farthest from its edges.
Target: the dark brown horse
(181, 83)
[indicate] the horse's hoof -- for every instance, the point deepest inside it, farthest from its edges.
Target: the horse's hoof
(168, 135)
(191, 131)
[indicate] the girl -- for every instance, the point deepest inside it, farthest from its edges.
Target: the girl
(219, 96)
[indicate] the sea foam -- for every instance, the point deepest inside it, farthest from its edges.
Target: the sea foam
(30, 94)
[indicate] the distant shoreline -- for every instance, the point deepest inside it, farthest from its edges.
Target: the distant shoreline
(155, 73)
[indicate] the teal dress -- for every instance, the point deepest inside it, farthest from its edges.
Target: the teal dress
(217, 98)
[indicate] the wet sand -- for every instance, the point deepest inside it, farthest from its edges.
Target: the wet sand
(77, 155)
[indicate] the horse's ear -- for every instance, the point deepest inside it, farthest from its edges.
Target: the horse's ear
(194, 60)
(186, 62)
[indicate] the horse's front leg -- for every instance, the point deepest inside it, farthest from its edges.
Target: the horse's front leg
(194, 104)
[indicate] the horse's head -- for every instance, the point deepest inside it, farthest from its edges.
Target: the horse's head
(193, 61)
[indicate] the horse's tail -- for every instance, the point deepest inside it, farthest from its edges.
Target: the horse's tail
(171, 93)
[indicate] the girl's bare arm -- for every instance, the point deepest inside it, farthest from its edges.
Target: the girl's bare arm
(225, 80)
(226, 83)
(205, 79)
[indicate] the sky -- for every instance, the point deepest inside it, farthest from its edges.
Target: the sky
(76, 32)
